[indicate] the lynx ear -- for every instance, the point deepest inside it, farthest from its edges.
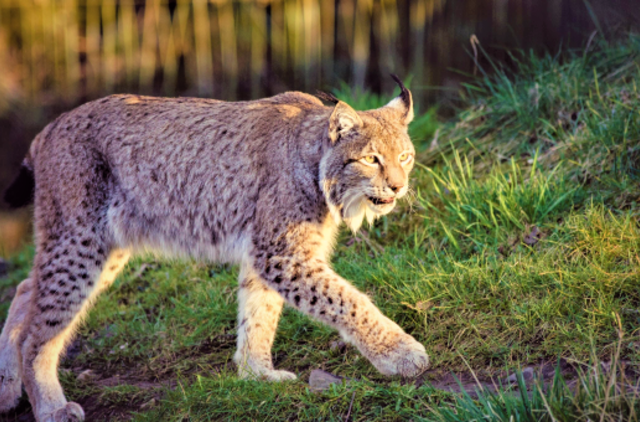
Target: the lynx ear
(402, 103)
(343, 120)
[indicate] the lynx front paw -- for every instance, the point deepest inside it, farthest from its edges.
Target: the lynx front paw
(246, 372)
(278, 375)
(406, 357)
(10, 390)
(71, 412)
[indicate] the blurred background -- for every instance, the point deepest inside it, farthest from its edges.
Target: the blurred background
(57, 54)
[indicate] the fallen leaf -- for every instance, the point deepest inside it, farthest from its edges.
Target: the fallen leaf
(86, 375)
(422, 305)
(143, 268)
(151, 403)
(434, 143)
(533, 237)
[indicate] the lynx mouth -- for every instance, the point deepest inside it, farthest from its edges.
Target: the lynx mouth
(381, 201)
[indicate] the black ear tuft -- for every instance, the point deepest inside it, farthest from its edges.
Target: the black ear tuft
(405, 95)
(325, 96)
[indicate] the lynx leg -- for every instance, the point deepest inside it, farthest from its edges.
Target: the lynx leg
(259, 309)
(319, 292)
(10, 379)
(68, 276)
(306, 281)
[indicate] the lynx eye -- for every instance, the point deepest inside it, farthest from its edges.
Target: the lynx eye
(404, 157)
(369, 159)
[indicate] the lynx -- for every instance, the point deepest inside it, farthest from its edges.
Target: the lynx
(264, 184)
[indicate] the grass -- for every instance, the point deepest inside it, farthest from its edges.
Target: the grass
(596, 396)
(500, 203)
(521, 245)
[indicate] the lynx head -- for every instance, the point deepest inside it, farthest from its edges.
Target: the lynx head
(365, 168)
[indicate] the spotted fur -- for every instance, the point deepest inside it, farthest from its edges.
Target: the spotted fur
(263, 183)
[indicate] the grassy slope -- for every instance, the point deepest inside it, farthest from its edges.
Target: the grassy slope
(521, 244)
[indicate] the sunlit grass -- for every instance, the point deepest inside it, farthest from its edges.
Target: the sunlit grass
(491, 209)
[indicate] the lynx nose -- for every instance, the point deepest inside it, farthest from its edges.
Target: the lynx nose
(396, 187)
(395, 178)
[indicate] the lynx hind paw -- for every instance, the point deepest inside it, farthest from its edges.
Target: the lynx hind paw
(408, 359)
(265, 374)
(71, 412)
(10, 391)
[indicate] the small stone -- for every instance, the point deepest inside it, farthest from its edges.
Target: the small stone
(320, 380)
(527, 375)
(86, 375)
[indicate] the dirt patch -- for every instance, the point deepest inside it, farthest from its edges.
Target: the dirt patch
(96, 411)
(144, 385)
(98, 408)
(541, 375)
